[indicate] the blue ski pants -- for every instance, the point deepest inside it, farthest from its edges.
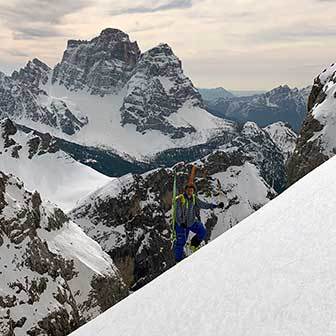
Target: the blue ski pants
(182, 234)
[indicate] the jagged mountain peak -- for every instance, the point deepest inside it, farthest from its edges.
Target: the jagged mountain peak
(101, 65)
(163, 60)
(33, 76)
(140, 97)
(115, 34)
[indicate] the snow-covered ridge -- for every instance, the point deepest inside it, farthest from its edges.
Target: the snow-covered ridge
(283, 136)
(317, 139)
(327, 74)
(53, 276)
(35, 159)
(325, 112)
(273, 274)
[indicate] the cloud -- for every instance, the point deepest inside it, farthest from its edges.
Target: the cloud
(30, 19)
(144, 28)
(31, 33)
(153, 7)
(17, 53)
(293, 34)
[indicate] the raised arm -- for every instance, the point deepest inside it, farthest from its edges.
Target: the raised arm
(205, 205)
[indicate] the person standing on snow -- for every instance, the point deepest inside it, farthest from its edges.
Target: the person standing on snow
(188, 207)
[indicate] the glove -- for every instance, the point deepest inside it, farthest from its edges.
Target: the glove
(220, 205)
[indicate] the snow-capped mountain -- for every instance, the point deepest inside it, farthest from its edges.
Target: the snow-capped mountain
(283, 136)
(100, 66)
(130, 217)
(23, 97)
(105, 93)
(317, 140)
(273, 274)
(35, 158)
(53, 277)
(280, 104)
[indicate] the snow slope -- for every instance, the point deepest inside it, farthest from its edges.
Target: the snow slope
(273, 274)
(104, 128)
(57, 176)
(283, 136)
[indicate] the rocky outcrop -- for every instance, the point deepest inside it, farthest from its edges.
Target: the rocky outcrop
(36, 143)
(317, 139)
(284, 137)
(157, 89)
(53, 277)
(102, 65)
(131, 216)
(33, 76)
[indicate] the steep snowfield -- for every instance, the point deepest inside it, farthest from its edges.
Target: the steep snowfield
(273, 274)
(283, 136)
(57, 176)
(104, 127)
(243, 191)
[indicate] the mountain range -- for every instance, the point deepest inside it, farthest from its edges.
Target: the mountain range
(106, 93)
(101, 136)
(280, 104)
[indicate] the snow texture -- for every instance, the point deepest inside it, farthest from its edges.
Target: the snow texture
(283, 136)
(57, 176)
(273, 274)
(325, 113)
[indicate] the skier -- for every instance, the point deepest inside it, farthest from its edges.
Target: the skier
(188, 207)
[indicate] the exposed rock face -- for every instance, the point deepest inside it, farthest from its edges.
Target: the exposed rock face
(284, 137)
(23, 97)
(53, 277)
(37, 143)
(157, 89)
(33, 76)
(102, 65)
(317, 140)
(130, 217)
(280, 104)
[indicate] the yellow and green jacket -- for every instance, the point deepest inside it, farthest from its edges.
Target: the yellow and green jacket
(188, 209)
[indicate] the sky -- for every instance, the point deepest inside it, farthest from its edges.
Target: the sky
(236, 44)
